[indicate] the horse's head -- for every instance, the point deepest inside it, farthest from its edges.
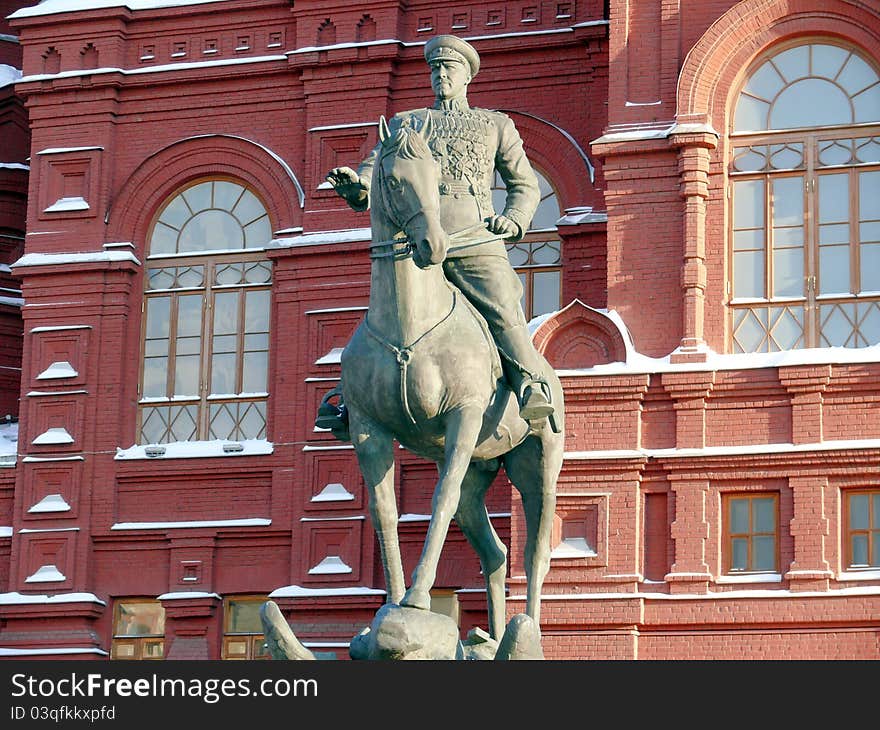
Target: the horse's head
(409, 182)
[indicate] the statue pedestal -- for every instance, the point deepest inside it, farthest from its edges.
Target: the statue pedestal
(399, 632)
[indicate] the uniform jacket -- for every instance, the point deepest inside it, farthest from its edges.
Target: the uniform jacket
(471, 144)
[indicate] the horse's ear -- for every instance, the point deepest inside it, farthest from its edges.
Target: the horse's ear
(427, 126)
(383, 129)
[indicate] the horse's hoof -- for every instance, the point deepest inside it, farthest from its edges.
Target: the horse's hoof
(416, 599)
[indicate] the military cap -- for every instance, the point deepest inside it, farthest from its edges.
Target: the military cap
(452, 48)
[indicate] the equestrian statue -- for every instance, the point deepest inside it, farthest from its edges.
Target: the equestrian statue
(443, 362)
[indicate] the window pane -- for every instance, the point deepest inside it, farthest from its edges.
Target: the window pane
(833, 233)
(223, 374)
(869, 195)
(155, 377)
(256, 311)
(739, 516)
(765, 83)
(244, 617)
(859, 550)
(827, 60)
(158, 316)
(748, 267)
(211, 230)
(163, 240)
(546, 214)
(258, 234)
(226, 194)
(763, 553)
(875, 510)
(867, 105)
(748, 240)
(186, 375)
(788, 272)
(797, 107)
(856, 75)
(788, 201)
(751, 114)
(793, 63)
(748, 196)
(833, 198)
(140, 619)
(834, 270)
(176, 213)
(858, 512)
(198, 197)
(255, 368)
(189, 315)
(545, 252)
(546, 293)
(226, 312)
(248, 208)
(764, 514)
(740, 554)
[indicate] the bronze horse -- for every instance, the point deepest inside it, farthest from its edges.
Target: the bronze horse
(422, 368)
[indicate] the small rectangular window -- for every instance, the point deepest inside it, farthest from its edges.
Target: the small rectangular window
(138, 630)
(751, 534)
(862, 529)
(243, 629)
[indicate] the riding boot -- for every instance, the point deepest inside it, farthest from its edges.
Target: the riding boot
(523, 370)
(333, 416)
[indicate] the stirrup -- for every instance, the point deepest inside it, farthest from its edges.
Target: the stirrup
(535, 399)
(332, 416)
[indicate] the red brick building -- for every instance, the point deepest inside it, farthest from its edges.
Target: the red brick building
(704, 273)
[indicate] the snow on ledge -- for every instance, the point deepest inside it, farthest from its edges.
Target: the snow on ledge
(52, 436)
(55, 259)
(334, 492)
(51, 7)
(331, 565)
(51, 503)
(5, 531)
(60, 369)
(46, 574)
(573, 547)
(295, 591)
(7, 651)
(196, 449)
(334, 357)
(16, 598)
(183, 595)
(749, 578)
(348, 235)
(245, 522)
(67, 204)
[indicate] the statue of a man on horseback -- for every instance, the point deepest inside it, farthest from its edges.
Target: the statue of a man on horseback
(443, 362)
(471, 144)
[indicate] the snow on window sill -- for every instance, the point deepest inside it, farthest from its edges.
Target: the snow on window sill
(196, 449)
(872, 574)
(750, 578)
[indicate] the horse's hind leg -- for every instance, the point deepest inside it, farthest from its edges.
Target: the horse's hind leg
(462, 430)
(473, 519)
(375, 453)
(533, 468)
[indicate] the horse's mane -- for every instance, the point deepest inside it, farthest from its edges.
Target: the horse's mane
(407, 144)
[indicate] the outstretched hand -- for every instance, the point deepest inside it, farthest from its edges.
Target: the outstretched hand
(346, 183)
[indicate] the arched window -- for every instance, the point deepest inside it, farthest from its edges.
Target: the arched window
(805, 191)
(206, 317)
(537, 258)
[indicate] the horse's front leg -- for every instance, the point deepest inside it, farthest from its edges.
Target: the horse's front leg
(375, 453)
(462, 431)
